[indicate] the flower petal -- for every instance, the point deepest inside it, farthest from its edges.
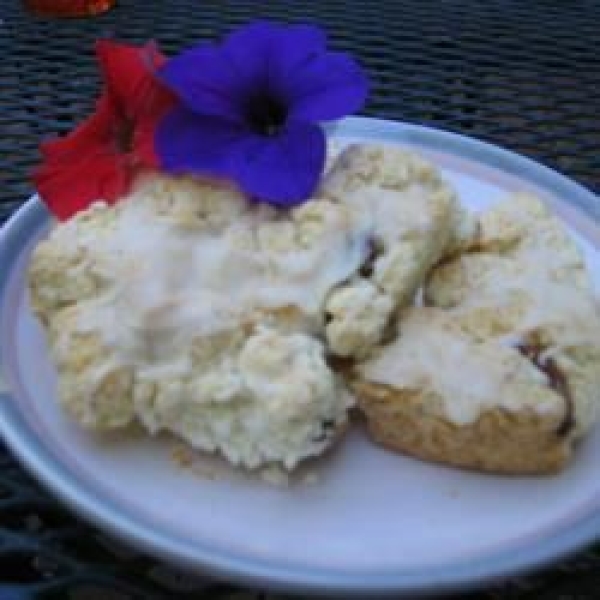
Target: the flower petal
(204, 80)
(96, 176)
(100, 158)
(219, 80)
(128, 72)
(96, 129)
(144, 146)
(249, 50)
(201, 144)
(284, 169)
(138, 98)
(327, 87)
(265, 55)
(296, 44)
(263, 51)
(86, 165)
(83, 166)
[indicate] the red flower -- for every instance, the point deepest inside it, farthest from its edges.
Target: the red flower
(101, 158)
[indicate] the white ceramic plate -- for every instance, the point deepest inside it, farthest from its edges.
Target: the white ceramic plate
(375, 522)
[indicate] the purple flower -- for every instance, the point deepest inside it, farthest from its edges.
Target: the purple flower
(249, 109)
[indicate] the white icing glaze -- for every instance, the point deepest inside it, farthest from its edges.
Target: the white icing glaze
(468, 376)
(170, 283)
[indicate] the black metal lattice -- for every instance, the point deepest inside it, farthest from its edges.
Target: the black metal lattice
(525, 75)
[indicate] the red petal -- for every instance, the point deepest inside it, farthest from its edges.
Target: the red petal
(154, 55)
(128, 72)
(96, 129)
(83, 166)
(88, 164)
(159, 104)
(145, 153)
(96, 176)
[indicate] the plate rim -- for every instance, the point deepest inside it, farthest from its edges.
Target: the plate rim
(38, 459)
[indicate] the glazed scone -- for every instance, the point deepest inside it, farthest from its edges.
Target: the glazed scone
(415, 219)
(519, 293)
(525, 281)
(441, 395)
(171, 307)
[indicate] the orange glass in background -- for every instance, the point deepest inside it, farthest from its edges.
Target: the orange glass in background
(69, 8)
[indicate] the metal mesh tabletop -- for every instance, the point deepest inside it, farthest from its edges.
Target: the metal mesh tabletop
(525, 75)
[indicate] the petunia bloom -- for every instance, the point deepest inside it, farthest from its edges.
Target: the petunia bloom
(249, 109)
(100, 159)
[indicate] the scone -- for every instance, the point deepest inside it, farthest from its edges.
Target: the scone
(415, 220)
(501, 371)
(438, 394)
(190, 309)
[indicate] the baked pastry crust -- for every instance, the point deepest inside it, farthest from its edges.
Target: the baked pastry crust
(498, 441)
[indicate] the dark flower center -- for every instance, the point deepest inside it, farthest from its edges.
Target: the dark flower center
(266, 114)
